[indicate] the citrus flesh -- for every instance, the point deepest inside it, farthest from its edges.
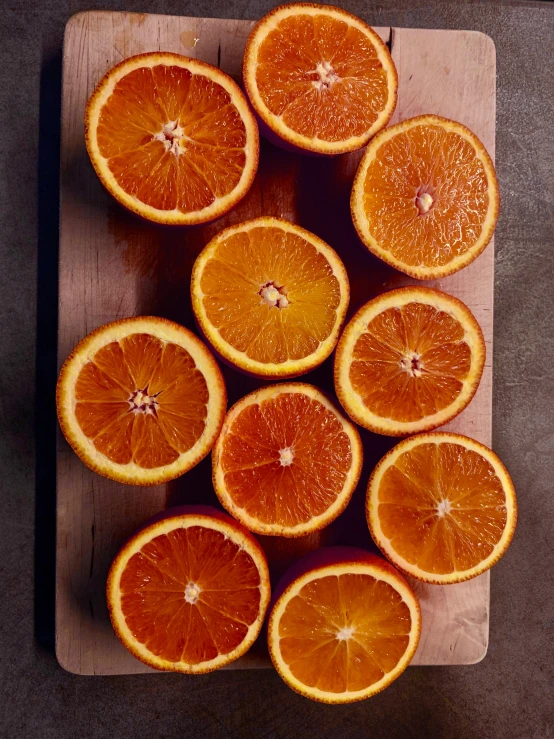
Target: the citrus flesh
(270, 297)
(408, 361)
(172, 138)
(141, 400)
(426, 198)
(319, 77)
(189, 593)
(286, 461)
(343, 631)
(442, 507)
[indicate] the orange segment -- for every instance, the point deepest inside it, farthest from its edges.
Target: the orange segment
(189, 593)
(172, 138)
(141, 400)
(115, 443)
(94, 385)
(442, 507)
(286, 461)
(114, 367)
(344, 629)
(270, 297)
(142, 353)
(319, 77)
(425, 198)
(408, 361)
(94, 417)
(149, 443)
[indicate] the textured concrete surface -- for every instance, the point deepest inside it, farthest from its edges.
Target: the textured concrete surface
(509, 694)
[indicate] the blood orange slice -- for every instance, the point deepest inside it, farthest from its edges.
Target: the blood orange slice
(344, 625)
(441, 507)
(189, 592)
(286, 461)
(425, 197)
(141, 400)
(319, 78)
(172, 138)
(409, 360)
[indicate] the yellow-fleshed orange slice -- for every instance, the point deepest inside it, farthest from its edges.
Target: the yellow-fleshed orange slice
(270, 297)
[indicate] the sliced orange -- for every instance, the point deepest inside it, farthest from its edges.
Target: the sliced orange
(141, 400)
(441, 507)
(409, 360)
(286, 461)
(270, 297)
(425, 197)
(319, 78)
(172, 138)
(345, 625)
(189, 592)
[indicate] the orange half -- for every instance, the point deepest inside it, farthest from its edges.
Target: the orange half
(319, 78)
(270, 297)
(286, 461)
(441, 507)
(172, 138)
(344, 628)
(409, 360)
(141, 400)
(189, 592)
(425, 198)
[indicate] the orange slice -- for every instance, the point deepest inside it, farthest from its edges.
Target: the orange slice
(172, 138)
(345, 625)
(441, 507)
(286, 461)
(425, 197)
(409, 360)
(141, 400)
(319, 78)
(189, 592)
(270, 297)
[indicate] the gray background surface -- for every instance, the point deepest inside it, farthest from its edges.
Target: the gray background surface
(510, 693)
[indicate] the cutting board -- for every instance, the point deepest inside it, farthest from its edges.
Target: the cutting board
(112, 265)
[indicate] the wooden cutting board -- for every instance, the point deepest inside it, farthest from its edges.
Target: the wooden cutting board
(112, 265)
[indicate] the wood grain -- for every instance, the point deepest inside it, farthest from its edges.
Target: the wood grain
(112, 265)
